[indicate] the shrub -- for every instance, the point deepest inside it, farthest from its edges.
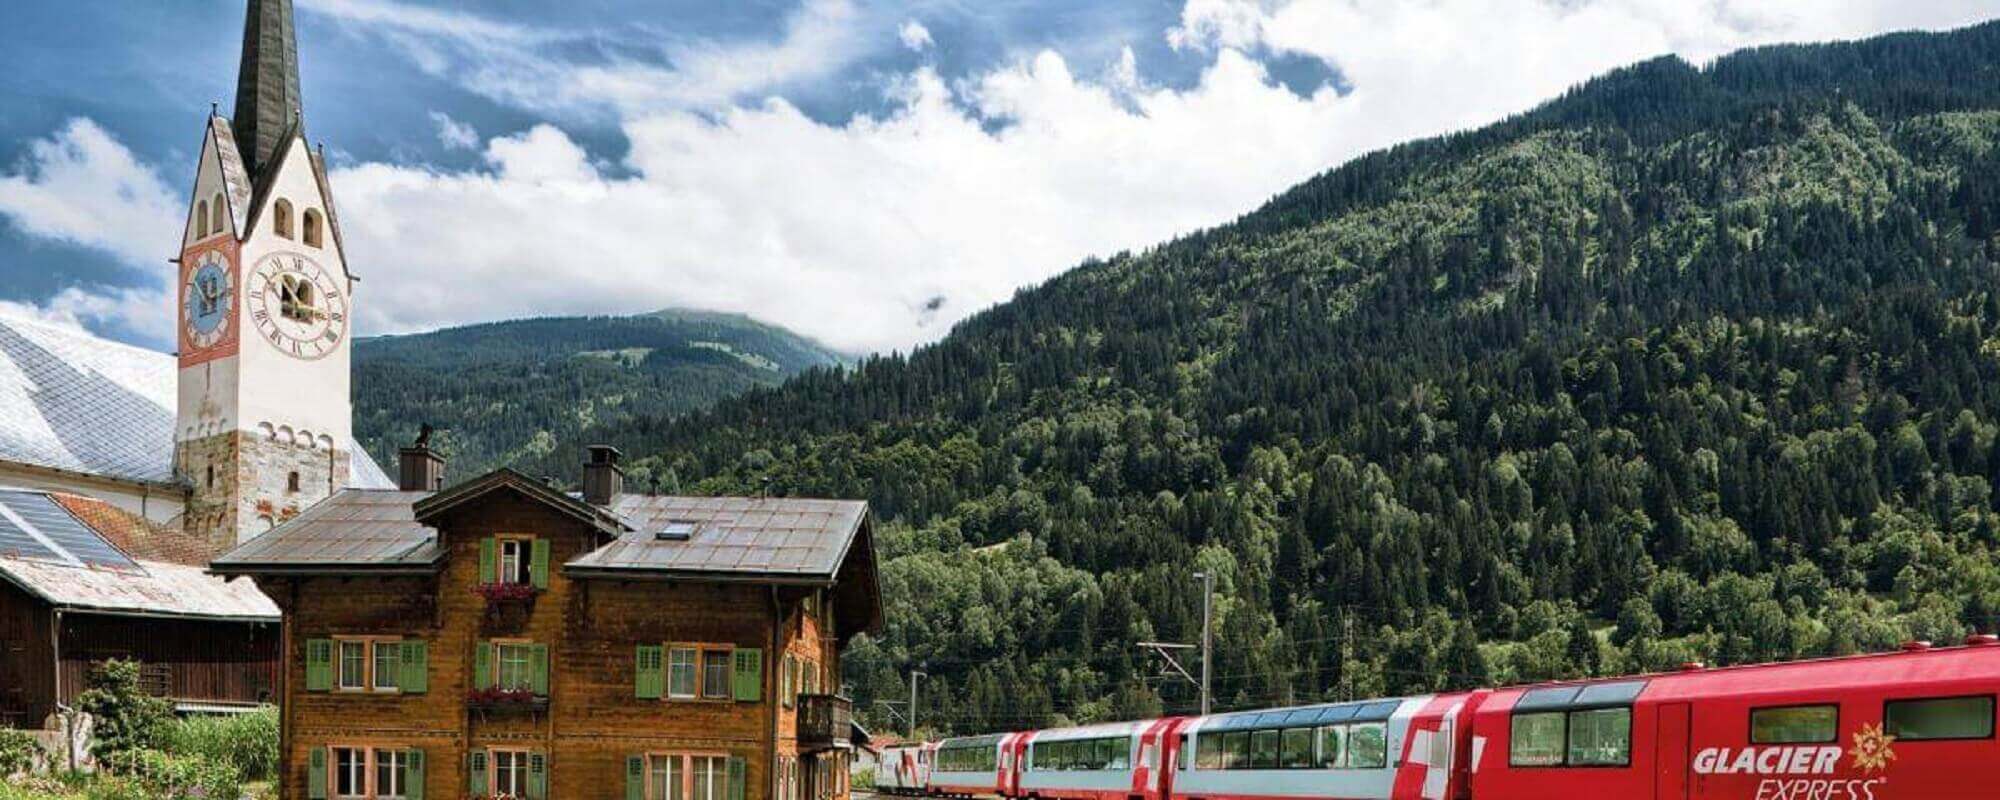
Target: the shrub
(172, 777)
(125, 719)
(18, 752)
(246, 742)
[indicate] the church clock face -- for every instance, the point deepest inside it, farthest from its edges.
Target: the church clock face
(207, 300)
(296, 305)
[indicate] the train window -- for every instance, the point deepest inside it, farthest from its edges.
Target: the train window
(1329, 747)
(1367, 746)
(1295, 748)
(1939, 719)
(1236, 750)
(1795, 725)
(1537, 740)
(1600, 738)
(1263, 749)
(1181, 754)
(1208, 751)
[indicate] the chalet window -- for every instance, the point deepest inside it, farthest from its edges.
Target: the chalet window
(788, 680)
(510, 773)
(812, 677)
(515, 557)
(388, 665)
(391, 767)
(1795, 725)
(1939, 719)
(517, 666)
(353, 664)
(681, 672)
(350, 772)
(710, 776)
(667, 780)
(715, 674)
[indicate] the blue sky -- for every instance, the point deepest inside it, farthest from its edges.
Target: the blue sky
(865, 172)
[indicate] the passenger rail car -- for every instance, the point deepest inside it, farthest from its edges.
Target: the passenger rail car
(905, 769)
(1912, 725)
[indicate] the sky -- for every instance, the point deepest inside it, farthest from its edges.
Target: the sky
(866, 173)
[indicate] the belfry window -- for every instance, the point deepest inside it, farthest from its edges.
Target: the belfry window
(219, 210)
(281, 218)
(292, 482)
(201, 219)
(309, 229)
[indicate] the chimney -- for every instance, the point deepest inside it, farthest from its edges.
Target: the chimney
(422, 468)
(603, 480)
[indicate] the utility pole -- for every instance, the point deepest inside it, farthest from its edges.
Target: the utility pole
(914, 674)
(1165, 650)
(1207, 633)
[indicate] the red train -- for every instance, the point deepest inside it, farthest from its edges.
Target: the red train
(1894, 726)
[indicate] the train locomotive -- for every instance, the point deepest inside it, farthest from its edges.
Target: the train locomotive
(1916, 724)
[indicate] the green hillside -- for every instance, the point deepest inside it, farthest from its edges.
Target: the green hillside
(1688, 364)
(507, 392)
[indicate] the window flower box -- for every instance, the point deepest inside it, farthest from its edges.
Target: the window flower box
(501, 596)
(505, 700)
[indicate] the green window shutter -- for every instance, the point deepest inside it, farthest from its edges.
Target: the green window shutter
(476, 783)
(647, 678)
(319, 665)
(736, 777)
(413, 775)
(749, 674)
(488, 572)
(482, 666)
(635, 778)
(538, 564)
(316, 774)
(415, 677)
(538, 776)
(541, 667)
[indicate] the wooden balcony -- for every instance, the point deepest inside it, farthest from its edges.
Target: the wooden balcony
(825, 721)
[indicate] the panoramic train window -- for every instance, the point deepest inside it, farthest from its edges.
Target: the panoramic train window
(1236, 750)
(1208, 751)
(1795, 725)
(1600, 738)
(1264, 750)
(1296, 748)
(1112, 752)
(1329, 746)
(1367, 746)
(1939, 719)
(1538, 740)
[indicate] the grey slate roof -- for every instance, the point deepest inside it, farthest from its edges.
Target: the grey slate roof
(783, 536)
(355, 528)
(71, 401)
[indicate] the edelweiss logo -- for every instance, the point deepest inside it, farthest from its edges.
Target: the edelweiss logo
(1872, 753)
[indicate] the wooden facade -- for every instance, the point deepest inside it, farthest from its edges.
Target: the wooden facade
(196, 663)
(586, 687)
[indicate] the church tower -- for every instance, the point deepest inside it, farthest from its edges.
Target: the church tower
(264, 421)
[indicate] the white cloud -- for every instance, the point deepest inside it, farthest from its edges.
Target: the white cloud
(454, 135)
(881, 231)
(914, 35)
(82, 187)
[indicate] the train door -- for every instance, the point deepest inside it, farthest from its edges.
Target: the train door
(1670, 755)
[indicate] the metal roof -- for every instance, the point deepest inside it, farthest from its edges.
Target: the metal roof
(786, 536)
(362, 528)
(59, 558)
(147, 588)
(73, 402)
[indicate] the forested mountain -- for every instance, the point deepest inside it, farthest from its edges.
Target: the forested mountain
(506, 392)
(1687, 364)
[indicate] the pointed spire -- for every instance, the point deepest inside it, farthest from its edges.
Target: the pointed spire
(267, 85)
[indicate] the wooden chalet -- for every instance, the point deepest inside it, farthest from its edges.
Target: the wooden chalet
(83, 581)
(500, 638)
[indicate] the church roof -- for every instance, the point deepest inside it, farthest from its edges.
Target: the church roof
(73, 402)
